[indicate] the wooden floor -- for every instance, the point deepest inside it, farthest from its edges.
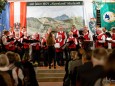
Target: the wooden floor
(50, 83)
(57, 68)
(47, 70)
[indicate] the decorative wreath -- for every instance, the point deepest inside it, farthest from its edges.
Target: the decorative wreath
(2, 5)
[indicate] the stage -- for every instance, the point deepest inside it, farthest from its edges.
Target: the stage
(52, 77)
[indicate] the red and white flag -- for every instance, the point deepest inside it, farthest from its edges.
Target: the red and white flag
(18, 13)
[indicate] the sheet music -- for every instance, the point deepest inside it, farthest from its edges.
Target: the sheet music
(109, 46)
(57, 45)
(108, 39)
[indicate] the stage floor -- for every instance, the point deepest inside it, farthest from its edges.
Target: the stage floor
(57, 68)
(50, 83)
(52, 77)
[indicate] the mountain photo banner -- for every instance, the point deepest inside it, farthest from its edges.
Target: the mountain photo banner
(108, 15)
(44, 15)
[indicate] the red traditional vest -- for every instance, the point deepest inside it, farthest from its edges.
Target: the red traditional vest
(75, 33)
(62, 34)
(72, 46)
(38, 37)
(113, 38)
(10, 46)
(99, 38)
(61, 44)
(36, 46)
(26, 45)
(44, 43)
(21, 33)
(106, 43)
(86, 36)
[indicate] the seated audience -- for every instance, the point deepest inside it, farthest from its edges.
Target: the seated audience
(87, 65)
(19, 69)
(89, 77)
(14, 71)
(109, 79)
(5, 79)
(65, 80)
(29, 72)
(74, 63)
(18, 61)
(81, 51)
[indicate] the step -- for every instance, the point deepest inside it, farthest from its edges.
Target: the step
(44, 74)
(50, 71)
(50, 83)
(50, 79)
(50, 74)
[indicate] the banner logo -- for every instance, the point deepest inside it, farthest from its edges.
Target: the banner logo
(109, 17)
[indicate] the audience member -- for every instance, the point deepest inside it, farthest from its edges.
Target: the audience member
(87, 65)
(5, 79)
(29, 72)
(19, 69)
(74, 63)
(89, 77)
(14, 71)
(109, 79)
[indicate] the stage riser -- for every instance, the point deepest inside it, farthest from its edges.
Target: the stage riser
(50, 75)
(49, 79)
(51, 71)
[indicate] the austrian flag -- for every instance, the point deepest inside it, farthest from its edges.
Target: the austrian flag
(18, 13)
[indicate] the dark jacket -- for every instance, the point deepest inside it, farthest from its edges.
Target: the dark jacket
(89, 77)
(30, 74)
(76, 73)
(5, 79)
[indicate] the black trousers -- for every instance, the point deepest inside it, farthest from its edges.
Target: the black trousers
(59, 58)
(51, 55)
(45, 57)
(25, 52)
(36, 56)
(20, 52)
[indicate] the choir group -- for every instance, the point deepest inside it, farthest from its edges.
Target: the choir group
(63, 43)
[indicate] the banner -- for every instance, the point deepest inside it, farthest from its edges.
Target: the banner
(44, 15)
(108, 15)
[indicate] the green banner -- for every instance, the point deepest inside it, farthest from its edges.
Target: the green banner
(108, 15)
